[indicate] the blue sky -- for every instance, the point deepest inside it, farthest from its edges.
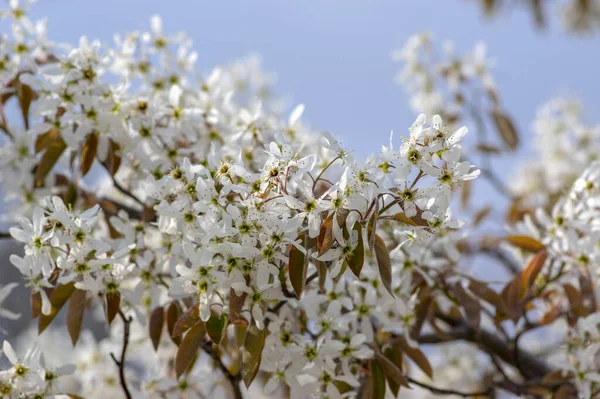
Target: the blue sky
(334, 56)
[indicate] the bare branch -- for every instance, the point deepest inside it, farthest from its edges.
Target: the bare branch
(121, 362)
(442, 391)
(234, 379)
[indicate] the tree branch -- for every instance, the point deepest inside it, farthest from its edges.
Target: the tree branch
(234, 379)
(441, 391)
(530, 366)
(121, 363)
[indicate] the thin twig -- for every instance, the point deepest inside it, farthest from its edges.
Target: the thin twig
(234, 379)
(121, 363)
(124, 191)
(442, 391)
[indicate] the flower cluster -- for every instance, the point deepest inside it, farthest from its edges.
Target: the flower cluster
(160, 192)
(569, 278)
(439, 84)
(30, 376)
(565, 145)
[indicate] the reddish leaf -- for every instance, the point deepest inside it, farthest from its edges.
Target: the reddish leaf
(416, 356)
(575, 300)
(173, 314)
(394, 354)
(236, 303)
(298, 265)
(88, 153)
(384, 263)
(372, 227)
(322, 273)
(481, 290)
(391, 370)
(377, 380)
(506, 129)
(49, 159)
(252, 354)
(36, 304)
(59, 297)
(26, 96)
(75, 313)
(190, 344)
(113, 158)
(113, 303)
(526, 243)
(511, 294)
(402, 218)
(187, 321)
(356, 261)
(325, 239)
(155, 325)
(532, 270)
(44, 140)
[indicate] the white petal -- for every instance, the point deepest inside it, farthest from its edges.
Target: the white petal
(175, 95)
(10, 353)
(296, 114)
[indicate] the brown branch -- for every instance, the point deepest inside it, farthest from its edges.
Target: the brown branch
(234, 379)
(531, 367)
(441, 391)
(121, 362)
(126, 192)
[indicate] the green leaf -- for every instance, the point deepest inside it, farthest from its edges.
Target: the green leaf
(189, 319)
(113, 303)
(357, 259)
(49, 159)
(88, 153)
(59, 297)
(190, 344)
(384, 263)
(215, 326)
(252, 354)
(297, 269)
(155, 325)
(75, 313)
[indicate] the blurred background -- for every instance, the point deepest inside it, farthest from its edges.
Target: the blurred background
(335, 57)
